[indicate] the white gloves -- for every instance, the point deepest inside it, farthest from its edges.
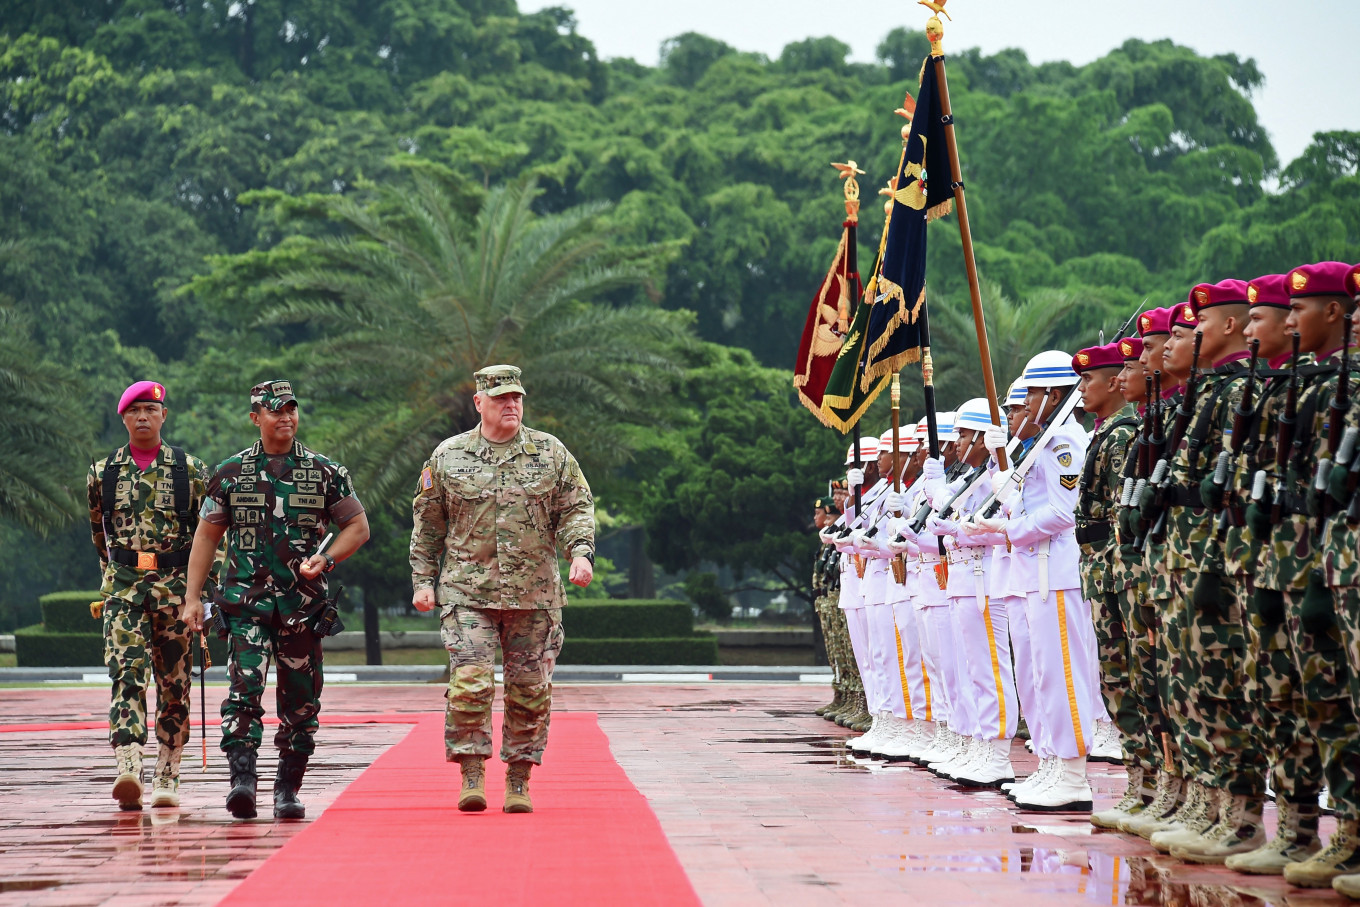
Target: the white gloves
(932, 469)
(894, 502)
(854, 478)
(939, 526)
(1000, 480)
(995, 438)
(993, 525)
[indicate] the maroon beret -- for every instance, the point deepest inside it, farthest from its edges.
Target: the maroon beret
(1271, 290)
(1225, 292)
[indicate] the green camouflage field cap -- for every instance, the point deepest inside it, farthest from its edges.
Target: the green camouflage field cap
(495, 380)
(272, 395)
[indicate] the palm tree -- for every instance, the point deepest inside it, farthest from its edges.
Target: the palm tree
(413, 298)
(40, 430)
(1015, 332)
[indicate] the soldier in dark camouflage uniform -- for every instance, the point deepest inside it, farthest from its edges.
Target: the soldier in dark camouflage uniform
(493, 506)
(1099, 368)
(1341, 561)
(824, 513)
(1319, 308)
(1216, 730)
(143, 538)
(273, 501)
(1273, 686)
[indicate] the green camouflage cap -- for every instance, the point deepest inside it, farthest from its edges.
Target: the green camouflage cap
(495, 380)
(272, 395)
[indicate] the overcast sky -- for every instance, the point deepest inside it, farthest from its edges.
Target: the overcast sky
(1307, 50)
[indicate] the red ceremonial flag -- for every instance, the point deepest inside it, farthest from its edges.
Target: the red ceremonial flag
(825, 328)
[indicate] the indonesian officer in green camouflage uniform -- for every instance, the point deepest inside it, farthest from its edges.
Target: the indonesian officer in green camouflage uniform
(144, 500)
(493, 507)
(274, 501)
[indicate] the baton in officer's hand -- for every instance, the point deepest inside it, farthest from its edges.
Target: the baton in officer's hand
(321, 549)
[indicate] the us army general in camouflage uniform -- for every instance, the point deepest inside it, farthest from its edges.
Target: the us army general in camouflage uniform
(274, 501)
(142, 530)
(493, 507)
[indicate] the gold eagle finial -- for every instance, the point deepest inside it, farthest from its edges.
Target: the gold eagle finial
(848, 170)
(935, 7)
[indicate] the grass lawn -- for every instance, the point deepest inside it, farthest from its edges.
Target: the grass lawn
(7, 660)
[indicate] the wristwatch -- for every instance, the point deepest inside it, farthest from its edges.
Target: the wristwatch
(330, 563)
(588, 555)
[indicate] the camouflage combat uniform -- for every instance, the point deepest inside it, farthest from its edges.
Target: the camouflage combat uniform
(489, 522)
(1103, 577)
(1216, 730)
(276, 509)
(1273, 686)
(1316, 643)
(142, 629)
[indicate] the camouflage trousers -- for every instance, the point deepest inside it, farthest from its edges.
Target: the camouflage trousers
(1126, 671)
(1166, 644)
(1276, 697)
(1218, 732)
(530, 642)
(138, 642)
(845, 665)
(296, 652)
(1315, 642)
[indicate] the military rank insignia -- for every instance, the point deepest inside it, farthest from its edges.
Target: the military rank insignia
(1069, 482)
(1065, 459)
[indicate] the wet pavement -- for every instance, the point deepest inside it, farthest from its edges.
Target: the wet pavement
(760, 800)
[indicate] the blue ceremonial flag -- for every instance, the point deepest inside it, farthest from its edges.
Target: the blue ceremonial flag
(921, 192)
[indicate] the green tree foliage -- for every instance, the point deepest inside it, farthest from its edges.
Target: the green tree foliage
(411, 298)
(135, 133)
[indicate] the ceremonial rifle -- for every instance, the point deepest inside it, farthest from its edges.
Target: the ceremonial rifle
(1284, 438)
(1161, 476)
(1336, 428)
(1242, 416)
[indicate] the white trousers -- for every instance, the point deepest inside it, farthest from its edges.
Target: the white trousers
(883, 656)
(859, 645)
(985, 643)
(963, 713)
(877, 692)
(933, 623)
(911, 677)
(1057, 640)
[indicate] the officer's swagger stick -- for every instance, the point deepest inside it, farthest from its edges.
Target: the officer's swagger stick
(203, 695)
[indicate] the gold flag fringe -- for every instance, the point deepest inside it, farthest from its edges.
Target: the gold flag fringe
(835, 421)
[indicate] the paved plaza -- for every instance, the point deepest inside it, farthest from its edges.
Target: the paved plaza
(759, 800)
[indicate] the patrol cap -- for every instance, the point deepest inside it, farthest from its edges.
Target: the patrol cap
(1326, 278)
(1184, 316)
(1225, 292)
(1016, 395)
(495, 380)
(139, 391)
(1154, 321)
(1051, 368)
(272, 395)
(868, 450)
(975, 414)
(1094, 357)
(1270, 290)
(1131, 348)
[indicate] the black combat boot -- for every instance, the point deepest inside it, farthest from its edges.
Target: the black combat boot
(241, 797)
(292, 766)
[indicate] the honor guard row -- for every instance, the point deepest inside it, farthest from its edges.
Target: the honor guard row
(1177, 589)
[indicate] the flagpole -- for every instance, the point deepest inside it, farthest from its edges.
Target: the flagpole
(851, 273)
(935, 32)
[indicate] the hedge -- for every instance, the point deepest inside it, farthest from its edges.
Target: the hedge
(34, 647)
(628, 619)
(69, 612)
(692, 650)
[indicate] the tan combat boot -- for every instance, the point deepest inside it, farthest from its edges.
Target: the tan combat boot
(1130, 805)
(1296, 839)
(165, 785)
(1342, 857)
(472, 798)
(1349, 885)
(1195, 819)
(1240, 830)
(835, 703)
(127, 787)
(517, 788)
(1165, 799)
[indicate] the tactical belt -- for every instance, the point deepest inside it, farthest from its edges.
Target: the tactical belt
(1180, 496)
(1093, 533)
(149, 560)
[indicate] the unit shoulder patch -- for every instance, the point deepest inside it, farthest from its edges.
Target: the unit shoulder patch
(1065, 459)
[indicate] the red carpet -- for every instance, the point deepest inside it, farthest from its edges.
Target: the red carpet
(395, 835)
